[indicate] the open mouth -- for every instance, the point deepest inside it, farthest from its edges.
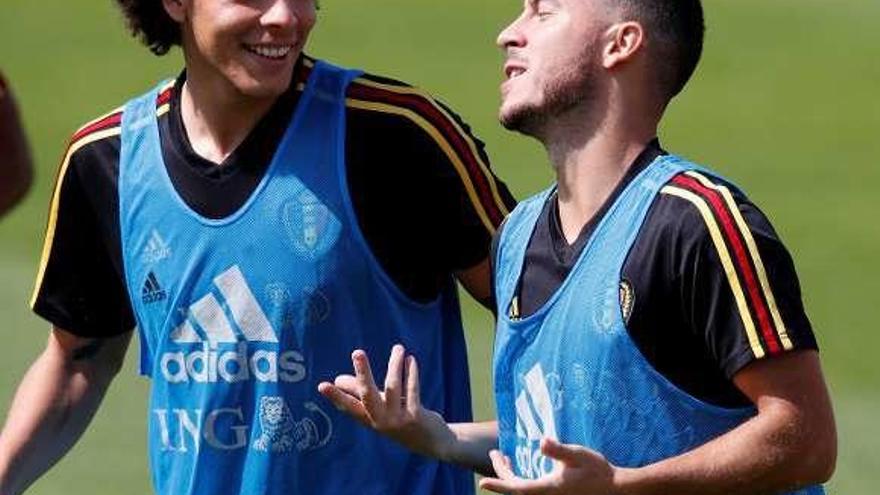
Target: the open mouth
(512, 72)
(272, 52)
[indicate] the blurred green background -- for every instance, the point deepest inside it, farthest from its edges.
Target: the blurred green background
(785, 103)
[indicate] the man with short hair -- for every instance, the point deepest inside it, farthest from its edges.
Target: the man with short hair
(16, 171)
(651, 338)
(252, 218)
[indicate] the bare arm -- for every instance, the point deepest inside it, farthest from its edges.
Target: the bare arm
(16, 171)
(477, 281)
(790, 443)
(397, 412)
(54, 404)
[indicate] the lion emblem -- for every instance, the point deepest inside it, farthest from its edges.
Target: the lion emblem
(277, 424)
(281, 433)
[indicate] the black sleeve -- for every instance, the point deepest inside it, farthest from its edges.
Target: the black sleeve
(425, 196)
(80, 285)
(470, 206)
(740, 291)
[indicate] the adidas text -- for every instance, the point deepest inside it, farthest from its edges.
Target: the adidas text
(208, 365)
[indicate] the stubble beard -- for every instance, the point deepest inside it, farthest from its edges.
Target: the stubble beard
(573, 87)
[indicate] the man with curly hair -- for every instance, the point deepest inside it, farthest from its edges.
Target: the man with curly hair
(254, 218)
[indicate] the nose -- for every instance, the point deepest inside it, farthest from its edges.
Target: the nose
(283, 13)
(512, 35)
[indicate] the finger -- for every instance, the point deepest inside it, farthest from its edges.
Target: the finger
(501, 464)
(568, 454)
(348, 384)
(517, 486)
(494, 485)
(413, 399)
(344, 402)
(394, 377)
(367, 390)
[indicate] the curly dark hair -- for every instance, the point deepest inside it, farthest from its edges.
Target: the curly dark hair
(148, 21)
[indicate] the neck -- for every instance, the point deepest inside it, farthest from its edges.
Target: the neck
(591, 157)
(217, 117)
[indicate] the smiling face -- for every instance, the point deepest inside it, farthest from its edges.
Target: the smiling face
(553, 61)
(250, 46)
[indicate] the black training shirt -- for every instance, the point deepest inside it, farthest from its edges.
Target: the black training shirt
(696, 322)
(420, 183)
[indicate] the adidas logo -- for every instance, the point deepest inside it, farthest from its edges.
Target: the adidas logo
(156, 249)
(534, 420)
(151, 291)
(221, 337)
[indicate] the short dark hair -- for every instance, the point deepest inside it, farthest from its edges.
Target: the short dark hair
(674, 31)
(148, 20)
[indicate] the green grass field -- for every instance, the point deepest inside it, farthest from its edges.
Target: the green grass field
(784, 104)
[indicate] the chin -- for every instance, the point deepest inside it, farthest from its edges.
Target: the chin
(524, 119)
(264, 89)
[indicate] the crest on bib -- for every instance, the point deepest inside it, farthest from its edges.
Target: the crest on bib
(312, 228)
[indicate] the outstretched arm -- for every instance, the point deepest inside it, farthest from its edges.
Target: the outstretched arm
(397, 412)
(54, 404)
(790, 443)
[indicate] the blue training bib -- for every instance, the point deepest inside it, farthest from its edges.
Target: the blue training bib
(240, 319)
(571, 372)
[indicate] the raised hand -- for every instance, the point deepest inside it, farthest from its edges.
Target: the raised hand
(396, 411)
(577, 470)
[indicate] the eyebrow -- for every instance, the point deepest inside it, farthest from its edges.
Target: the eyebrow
(553, 3)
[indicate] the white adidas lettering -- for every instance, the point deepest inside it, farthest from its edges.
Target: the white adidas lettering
(214, 361)
(534, 420)
(156, 249)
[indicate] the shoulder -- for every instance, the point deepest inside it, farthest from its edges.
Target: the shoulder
(90, 163)
(388, 97)
(429, 140)
(699, 205)
(371, 91)
(718, 238)
(99, 138)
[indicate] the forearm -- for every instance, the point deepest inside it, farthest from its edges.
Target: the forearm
(52, 407)
(463, 444)
(473, 441)
(772, 453)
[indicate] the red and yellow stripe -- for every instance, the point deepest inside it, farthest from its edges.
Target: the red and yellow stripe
(108, 125)
(740, 258)
(421, 109)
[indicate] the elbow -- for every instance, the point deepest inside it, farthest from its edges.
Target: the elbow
(804, 446)
(822, 445)
(816, 457)
(823, 458)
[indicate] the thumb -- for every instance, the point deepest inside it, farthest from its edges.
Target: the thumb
(568, 454)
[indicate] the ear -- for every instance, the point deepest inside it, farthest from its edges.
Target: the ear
(624, 41)
(175, 9)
